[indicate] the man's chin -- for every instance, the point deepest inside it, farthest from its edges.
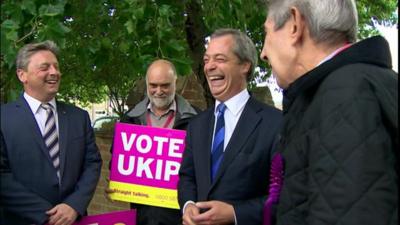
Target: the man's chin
(161, 103)
(52, 92)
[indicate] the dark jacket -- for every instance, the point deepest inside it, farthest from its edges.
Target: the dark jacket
(152, 215)
(28, 181)
(185, 111)
(243, 176)
(340, 141)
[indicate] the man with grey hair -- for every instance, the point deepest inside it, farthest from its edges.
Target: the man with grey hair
(224, 174)
(50, 163)
(163, 108)
(339, 141)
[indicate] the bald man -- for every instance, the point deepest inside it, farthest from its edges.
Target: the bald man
(163, 108)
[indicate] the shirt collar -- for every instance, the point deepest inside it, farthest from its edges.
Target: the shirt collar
(236, 103)
(34, 104)
(334, 53)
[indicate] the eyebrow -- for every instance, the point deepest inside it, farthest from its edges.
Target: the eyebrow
(47, 64)
(215, 55)
(166, 83)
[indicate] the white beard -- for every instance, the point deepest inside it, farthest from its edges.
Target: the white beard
(161, 102)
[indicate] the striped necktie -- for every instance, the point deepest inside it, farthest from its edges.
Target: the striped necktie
(50, 137)
(218, 143)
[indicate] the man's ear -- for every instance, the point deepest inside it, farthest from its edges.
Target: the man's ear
(246, 68)
(21, 74)
(298, 25)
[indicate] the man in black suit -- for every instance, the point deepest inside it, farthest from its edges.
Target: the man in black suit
(224, 176)
(50, 163)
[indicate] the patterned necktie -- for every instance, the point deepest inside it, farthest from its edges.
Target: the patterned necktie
(218, 144)
(50, 137)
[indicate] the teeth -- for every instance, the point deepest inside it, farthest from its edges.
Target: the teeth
(216, 78)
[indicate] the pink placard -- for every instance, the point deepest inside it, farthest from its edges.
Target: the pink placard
(127, 217)
(147, 155)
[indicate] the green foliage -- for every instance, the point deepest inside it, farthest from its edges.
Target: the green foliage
(106, 45)
(23, 22)
(371, 12)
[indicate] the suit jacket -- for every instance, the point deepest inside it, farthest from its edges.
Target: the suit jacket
(243, 176)
(29, 184)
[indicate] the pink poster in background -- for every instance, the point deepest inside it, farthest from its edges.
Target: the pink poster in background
(127, 217)
(147, 156)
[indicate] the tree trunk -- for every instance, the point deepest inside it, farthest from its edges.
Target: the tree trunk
(195, 35)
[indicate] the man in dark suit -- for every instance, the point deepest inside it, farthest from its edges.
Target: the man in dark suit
(224, 174)
(50, 163)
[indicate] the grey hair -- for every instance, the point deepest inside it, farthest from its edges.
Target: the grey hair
(243, 48)
(25, 53)
(329, 21)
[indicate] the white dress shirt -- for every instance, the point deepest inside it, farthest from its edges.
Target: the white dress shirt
(39, 113)
(233, 111)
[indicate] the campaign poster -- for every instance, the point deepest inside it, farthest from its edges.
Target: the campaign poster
(127, 217)
(145, 164)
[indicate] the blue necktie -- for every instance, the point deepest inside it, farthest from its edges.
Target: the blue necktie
(50, 137)
(218, 144)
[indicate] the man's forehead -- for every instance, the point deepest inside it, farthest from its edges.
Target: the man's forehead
(225, 40)
(163, 78)
(160, 82)
(43, 55)
(219, 46)
(43, 58)
(215, 54)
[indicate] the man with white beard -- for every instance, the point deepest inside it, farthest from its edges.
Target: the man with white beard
(160, 108)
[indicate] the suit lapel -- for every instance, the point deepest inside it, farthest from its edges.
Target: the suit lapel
(244, 128)
(204, 157)
(62, 134)
(210, 132)
(25, 113)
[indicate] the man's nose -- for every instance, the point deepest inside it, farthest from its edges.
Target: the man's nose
(53, 70)
(159, 90)
(210, 65)
(263, 55)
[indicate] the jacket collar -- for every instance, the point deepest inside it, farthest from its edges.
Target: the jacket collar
(184, 109)
(373, 50)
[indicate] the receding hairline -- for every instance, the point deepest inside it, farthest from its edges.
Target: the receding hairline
(162, 63)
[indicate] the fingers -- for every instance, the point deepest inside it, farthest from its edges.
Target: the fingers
(190, 211)
(62, 221)
(108, 191)
(54, 219)
(217, 213)
(62, 214)
(203, 218)
(52, 211)
(205, 205)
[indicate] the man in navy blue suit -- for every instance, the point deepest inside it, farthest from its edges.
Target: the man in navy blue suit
(229, 187)
(50, 163)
